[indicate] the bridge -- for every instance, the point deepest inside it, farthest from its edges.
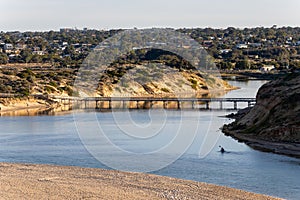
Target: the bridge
(154, 102)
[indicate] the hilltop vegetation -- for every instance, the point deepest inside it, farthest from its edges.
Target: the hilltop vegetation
(25, 81)
(230, 48)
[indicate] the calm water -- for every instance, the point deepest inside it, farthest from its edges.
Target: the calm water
(55, 140)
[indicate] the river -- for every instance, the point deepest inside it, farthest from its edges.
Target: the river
(55, 140)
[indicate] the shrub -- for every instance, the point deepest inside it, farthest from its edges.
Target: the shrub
(165, 90)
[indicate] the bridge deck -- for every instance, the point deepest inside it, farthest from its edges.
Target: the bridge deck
(157, 99)
(148, 102)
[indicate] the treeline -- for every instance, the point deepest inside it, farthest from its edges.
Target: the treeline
(230, 48)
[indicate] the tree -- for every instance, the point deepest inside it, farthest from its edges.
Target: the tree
(3, 58)
(225, 65)
(26, 55)
(295, 65)
(243, 64)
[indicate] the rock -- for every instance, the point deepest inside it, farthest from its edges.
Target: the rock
(275, 117)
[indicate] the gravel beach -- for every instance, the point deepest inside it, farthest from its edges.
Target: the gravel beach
(29, 181)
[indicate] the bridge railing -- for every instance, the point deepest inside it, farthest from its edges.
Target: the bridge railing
(142, 102)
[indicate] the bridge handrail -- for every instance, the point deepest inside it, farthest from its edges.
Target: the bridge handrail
(153, 99)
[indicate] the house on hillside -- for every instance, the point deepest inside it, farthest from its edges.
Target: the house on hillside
(255, 45)
(241, 46)
(267, 68)
(38, 52)
(8, 47)
(225, 51)
(207, 43)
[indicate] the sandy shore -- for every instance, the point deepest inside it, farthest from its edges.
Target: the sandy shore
(27, 181)
(23, 111)
(22, 107)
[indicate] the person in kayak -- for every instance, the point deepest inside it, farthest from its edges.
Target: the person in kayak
(222, 150)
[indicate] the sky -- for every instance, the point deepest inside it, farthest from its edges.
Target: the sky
(37, 15)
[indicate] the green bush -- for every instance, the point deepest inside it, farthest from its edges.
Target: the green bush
(165, 90)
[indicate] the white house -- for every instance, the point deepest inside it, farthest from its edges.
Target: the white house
(242, 46)
(267, 68)
(8, 47)
(225, 51)
(40, 53)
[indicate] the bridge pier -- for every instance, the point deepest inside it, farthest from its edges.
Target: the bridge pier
(235, 105)
(207, 105)
(97, 106)
(165, 104)
(109, 104)
(178, 105)
(221, 105)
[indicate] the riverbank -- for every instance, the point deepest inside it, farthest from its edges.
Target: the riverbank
(283, 148)
(25, 106)
(28, 181)
(245, 75)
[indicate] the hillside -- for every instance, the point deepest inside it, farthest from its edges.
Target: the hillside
(157, 80)
(142, 79)
(273, 124)
(129, 80)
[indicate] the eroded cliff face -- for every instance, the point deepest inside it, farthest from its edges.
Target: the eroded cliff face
(276, 115)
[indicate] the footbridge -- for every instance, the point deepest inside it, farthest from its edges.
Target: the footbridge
(156, 102)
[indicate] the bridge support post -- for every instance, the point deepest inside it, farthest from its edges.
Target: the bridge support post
(207, 105)
(124, 104)
(235, 105)
(109, 104)
(249, 103)
(193, 104)
(178, 105)
(97, 106)
(137, 104)
(165, 104)
(221, 105)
